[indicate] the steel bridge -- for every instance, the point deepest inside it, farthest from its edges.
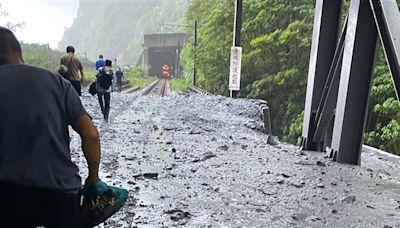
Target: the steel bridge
(340, 73)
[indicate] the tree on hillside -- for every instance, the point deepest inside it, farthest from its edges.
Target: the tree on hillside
(276, 39)
(276, 34)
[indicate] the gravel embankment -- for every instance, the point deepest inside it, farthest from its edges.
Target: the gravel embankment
(201, 161)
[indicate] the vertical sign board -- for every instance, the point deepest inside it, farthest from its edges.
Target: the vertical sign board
(236, 64)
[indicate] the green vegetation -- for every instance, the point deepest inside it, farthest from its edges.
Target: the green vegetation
(180, 84)
(89, 76)
(137, 78)
(384, 116)
(42, 56)
(276, 39)
(276, 42)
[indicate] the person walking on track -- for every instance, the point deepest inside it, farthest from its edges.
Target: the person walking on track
(104, 78)
(74, 68)
(119, 74)
(100, 62)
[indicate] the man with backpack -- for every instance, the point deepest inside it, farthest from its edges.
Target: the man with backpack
(104, 79)
(73, 70)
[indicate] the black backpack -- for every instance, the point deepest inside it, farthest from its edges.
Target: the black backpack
(105, 78)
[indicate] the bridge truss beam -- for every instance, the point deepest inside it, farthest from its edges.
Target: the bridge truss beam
(341, 91)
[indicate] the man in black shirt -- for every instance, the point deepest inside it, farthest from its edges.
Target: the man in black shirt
(39, 184)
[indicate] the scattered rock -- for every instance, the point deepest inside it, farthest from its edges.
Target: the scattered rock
(268, 192)
(223, 147)
(349, 199)
(179, 215)
(206, 156)
(314, 219)
(298, 184)
(384, 172)
(193, 170)
(151, 176)
(320, 163)
(130, 158)
(272, 140)
(194, 132)
(371, 207)
(303, 162)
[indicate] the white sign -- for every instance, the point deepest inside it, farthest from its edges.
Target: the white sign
(236, 64)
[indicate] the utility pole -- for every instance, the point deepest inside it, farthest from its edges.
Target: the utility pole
(194, 52)
(48, 55)
(238, 23)
(236, 33)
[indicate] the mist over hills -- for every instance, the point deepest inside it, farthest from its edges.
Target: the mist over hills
(116, 28)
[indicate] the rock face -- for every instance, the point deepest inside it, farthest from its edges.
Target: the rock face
(227, 174)
(116, 28)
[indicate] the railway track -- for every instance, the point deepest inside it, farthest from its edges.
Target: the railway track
(157, 88)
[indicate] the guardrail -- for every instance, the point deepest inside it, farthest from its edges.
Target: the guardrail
(195, 89)
(265, 114)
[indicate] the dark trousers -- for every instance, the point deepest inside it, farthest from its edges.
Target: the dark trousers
(77, 86)
(104, 101)
(119, 85)
(25, 207)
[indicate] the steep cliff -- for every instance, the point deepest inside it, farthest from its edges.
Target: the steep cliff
(115, 28)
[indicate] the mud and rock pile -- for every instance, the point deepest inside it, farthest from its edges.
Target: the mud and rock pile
(197, 160)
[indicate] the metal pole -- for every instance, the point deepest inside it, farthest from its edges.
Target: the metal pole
(238, 23)
(355, 83)
(48, 55)
(194, 52)
(236, 33)
(324, 43)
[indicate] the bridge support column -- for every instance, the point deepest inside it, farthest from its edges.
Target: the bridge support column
(325, 36)
(355, 83)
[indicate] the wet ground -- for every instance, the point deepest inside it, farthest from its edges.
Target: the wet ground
(202, 161)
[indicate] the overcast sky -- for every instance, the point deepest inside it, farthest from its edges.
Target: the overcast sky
(45, 20)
